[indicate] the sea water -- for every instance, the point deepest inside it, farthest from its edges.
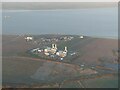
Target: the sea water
(98, 22)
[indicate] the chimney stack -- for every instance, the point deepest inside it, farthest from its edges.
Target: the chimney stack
(53, 46)
(65, 49)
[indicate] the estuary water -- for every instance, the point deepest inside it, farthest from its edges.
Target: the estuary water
(99, 22)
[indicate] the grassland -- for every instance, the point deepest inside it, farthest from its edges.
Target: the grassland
(22, 70)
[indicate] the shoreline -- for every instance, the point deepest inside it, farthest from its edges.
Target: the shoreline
(55, 10)
(56, 5)
(101, 37)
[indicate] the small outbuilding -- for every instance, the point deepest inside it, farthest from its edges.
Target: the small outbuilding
(28, 38)
(81, 37)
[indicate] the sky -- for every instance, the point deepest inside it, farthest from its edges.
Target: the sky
(59, 0)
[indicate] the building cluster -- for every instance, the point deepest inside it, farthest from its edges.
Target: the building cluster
(49, 39)
(44, 40)
(66, 38)
(52, 51)
(57, 39)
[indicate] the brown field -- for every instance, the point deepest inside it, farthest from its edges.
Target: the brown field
(99, 48)
(20, 70)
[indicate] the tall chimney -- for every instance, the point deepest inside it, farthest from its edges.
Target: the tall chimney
(55, 46)
(52, 45)
(65, 49)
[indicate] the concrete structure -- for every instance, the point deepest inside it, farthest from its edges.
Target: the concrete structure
(51, 50)
(62, 53)
(81, 37)
(28, 38)
(35, 50)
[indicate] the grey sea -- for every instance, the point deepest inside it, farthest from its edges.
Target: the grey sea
(98, 22)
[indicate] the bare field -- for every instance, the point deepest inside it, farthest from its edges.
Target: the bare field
(15, 44)
(98, 49)
(106, 81)
(20, 70)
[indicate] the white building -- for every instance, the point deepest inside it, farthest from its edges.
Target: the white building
(51, 50)
(81, 37)
(62, 53)
(28, 38)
